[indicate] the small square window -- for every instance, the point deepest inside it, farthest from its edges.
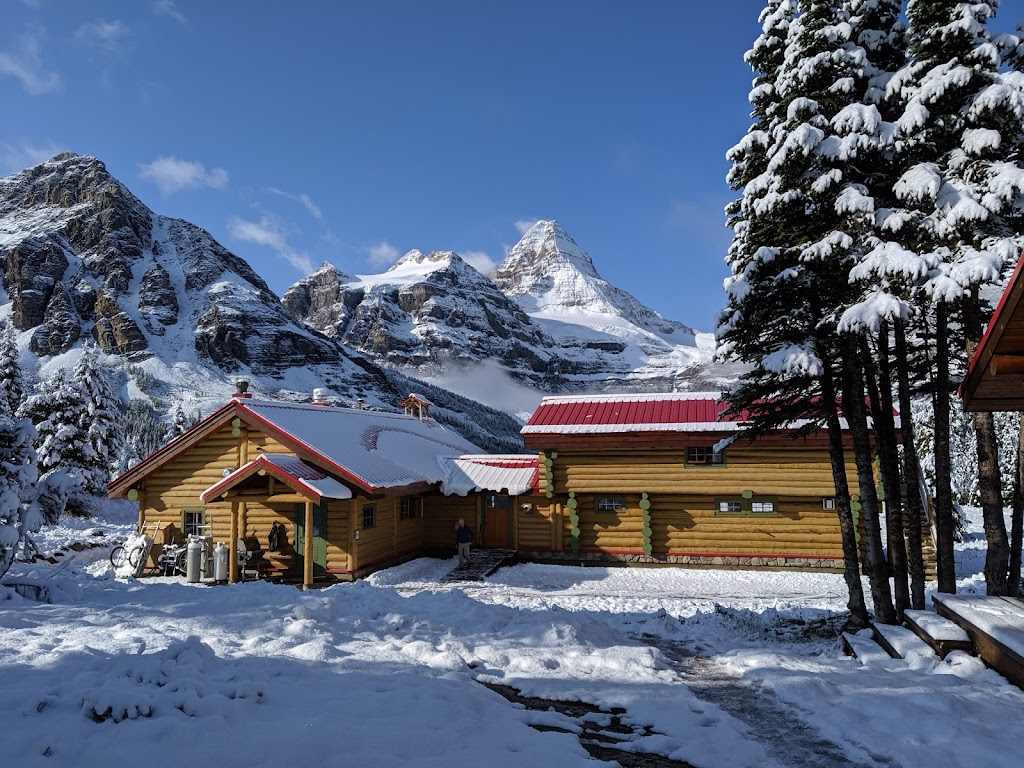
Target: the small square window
(828, 502)
(193, 522)
(498, 501)
(704, 455)
(730, 507)
(609, 504)
(762, 507)
(410, 508)
(370, 516)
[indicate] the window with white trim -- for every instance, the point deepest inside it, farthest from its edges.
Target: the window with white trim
(609, 505)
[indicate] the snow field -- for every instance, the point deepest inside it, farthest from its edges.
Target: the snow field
(384, 671)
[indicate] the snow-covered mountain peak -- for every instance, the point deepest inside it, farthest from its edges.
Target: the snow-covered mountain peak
(544, 252)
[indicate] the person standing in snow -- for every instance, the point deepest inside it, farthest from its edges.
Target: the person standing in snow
(464, 537)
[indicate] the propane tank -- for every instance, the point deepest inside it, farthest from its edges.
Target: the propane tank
(220, 563)
(193, 562)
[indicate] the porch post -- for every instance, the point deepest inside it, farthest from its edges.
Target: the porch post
(233, 545)
(307, 548)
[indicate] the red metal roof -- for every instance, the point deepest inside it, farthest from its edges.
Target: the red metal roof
(668, 410)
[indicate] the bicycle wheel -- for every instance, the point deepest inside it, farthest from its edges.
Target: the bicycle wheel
(179, 561)
(118, 556)
(135, 556)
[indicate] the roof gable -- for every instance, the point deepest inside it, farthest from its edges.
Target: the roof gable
(995, 377)
(370, 449)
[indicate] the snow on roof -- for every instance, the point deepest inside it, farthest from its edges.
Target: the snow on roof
(418, 398)
(516, 474)
(291, 469)
(661, 412)
(372, 448)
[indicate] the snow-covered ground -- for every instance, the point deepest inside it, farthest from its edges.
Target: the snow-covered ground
(387, 671)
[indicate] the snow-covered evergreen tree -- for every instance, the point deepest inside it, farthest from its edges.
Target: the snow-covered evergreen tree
(100, 421)
(144, 433)
(962, 197)
(64, 454)
(19, 513)
(12, 383)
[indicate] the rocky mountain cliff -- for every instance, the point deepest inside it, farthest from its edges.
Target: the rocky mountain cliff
(547, 318)
(81, 257)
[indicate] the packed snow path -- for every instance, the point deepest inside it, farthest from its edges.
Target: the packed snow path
(790, 741)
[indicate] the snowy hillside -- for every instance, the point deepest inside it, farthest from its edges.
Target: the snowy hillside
(547, 319)
(83, 258)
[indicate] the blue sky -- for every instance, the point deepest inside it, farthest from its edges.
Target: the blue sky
(350, 132)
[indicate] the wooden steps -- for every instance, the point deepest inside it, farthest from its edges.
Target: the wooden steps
(941, 634)
(482, 563)
(864, 649)
(995, 626)
(989, 626)
(900, 642)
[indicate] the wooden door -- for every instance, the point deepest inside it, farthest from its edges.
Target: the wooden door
(319, 537)
(497, 521)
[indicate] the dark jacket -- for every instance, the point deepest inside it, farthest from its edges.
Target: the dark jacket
(464, 534)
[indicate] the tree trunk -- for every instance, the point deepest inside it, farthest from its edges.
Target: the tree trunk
(888, 464)
(851, 557)
(911, 482)
(944, 527)
(990, 486)
(1017, 518)
(997, 554)
(856, 416)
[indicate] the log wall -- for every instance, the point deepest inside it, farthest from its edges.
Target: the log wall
(685, 526)
(441, 513)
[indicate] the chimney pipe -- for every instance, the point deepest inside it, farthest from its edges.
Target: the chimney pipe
(242, 389)
(320, 396)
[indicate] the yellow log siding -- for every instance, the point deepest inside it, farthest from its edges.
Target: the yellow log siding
(539, 529)
(338, 556)
(772, 471)
(683, 511)
(688, 525)
(376, 544)
(440, 513)
(409, 533)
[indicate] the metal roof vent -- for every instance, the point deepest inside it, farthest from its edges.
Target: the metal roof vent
(242, 389)
(321, 396)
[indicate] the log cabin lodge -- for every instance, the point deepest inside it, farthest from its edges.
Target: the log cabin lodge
(636, 478)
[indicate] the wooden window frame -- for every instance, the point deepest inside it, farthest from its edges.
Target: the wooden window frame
(201, 527)
(410, 508)
(369, 516)
(738, 512)
(712, 458)
(828, 502)
(746, 506)
(617, 499)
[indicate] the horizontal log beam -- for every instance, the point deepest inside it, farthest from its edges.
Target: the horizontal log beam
(1006, 365)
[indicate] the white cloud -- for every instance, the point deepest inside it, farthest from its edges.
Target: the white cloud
(304, 199)
(104, 35)
(26, 66)
(525, 225)
(168, 8)
(267, 232)
(14, 158)
(480, 261)
(384, 254)
(172, 174)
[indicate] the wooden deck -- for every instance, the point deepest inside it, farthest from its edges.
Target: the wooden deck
(995, 626)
